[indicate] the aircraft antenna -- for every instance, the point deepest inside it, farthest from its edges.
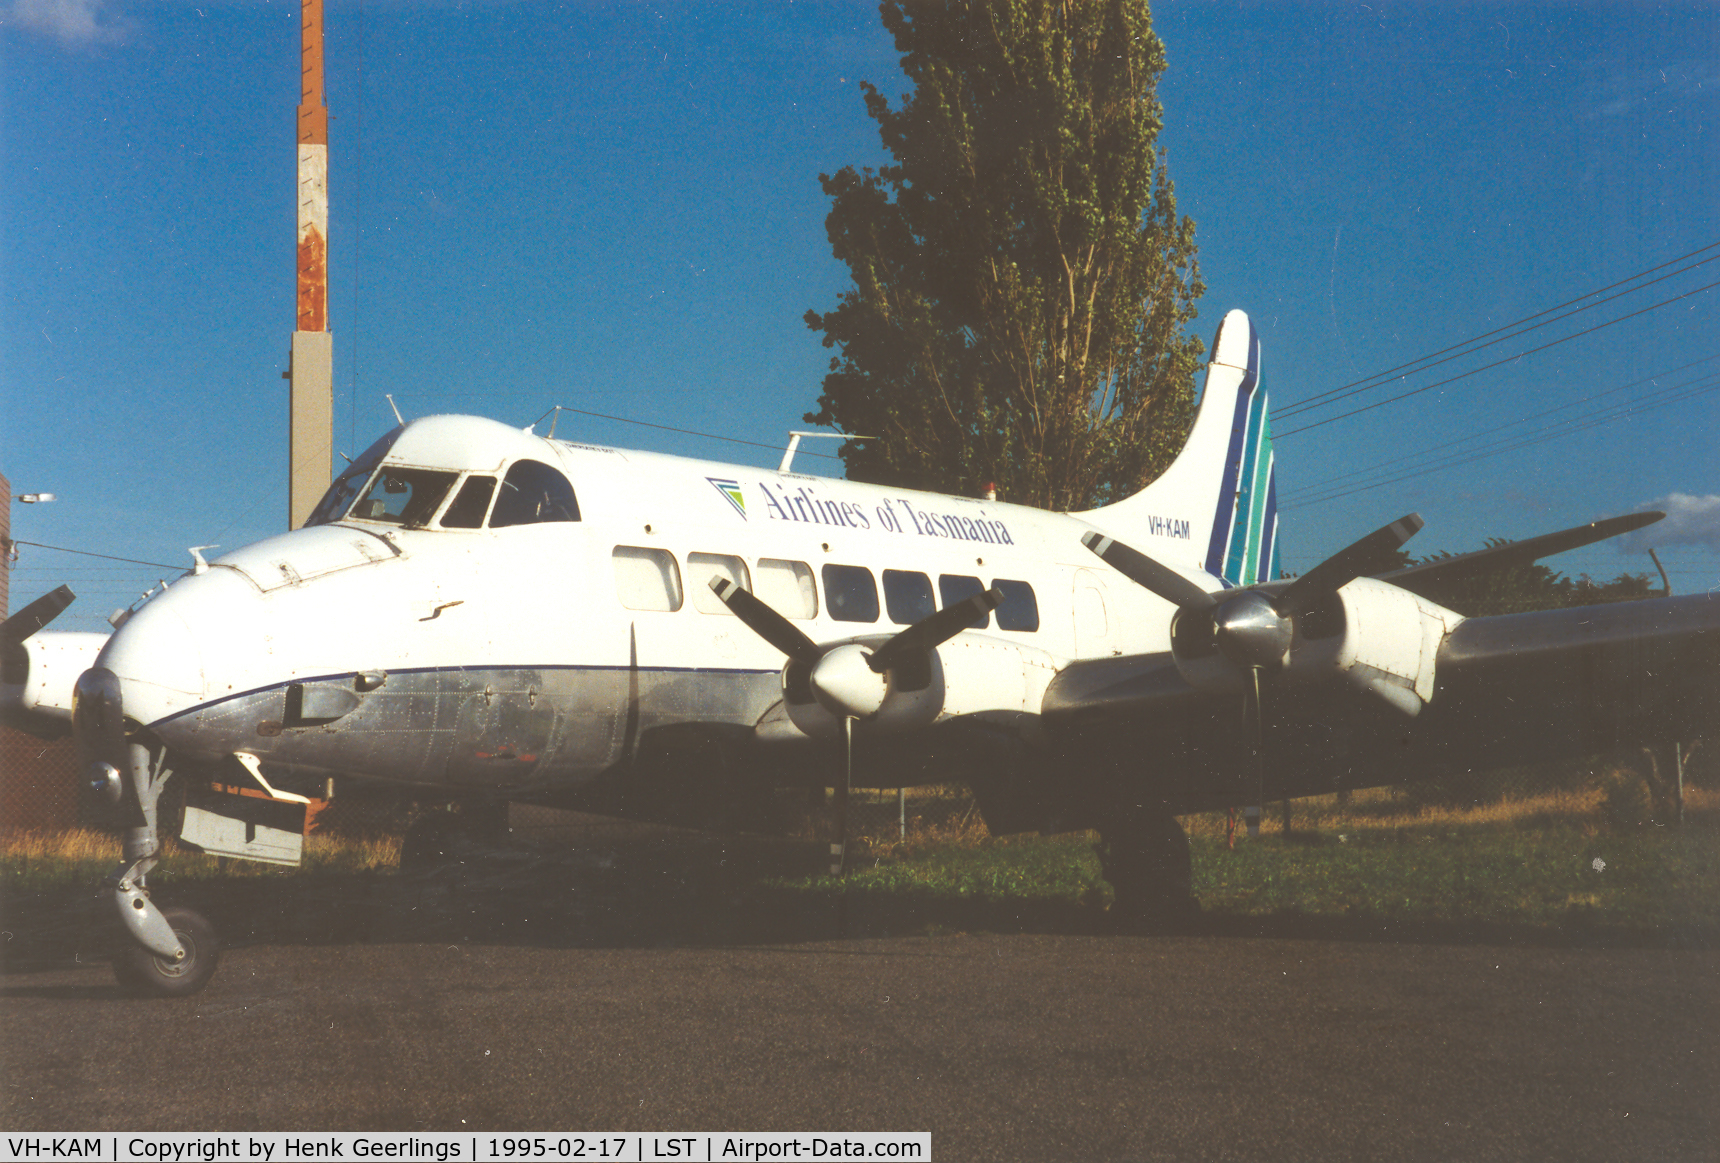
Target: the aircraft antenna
(311, 366)
(794, 444)
(1664, 580)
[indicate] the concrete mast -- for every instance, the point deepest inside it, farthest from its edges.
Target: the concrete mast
(311, 370)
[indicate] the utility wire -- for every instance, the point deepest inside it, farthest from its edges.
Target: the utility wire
(104, 556)
(1510, 444)
(1400, 462)
(1496, 363)
(1367, 381)
(1616, 412)
(691, 432)
(1297, 410)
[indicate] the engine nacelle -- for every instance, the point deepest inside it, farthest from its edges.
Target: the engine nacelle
(37, 677)
(965, 675)
(905, 697)
(1380, 638)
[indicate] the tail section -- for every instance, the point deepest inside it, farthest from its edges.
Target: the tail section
(1216, 507)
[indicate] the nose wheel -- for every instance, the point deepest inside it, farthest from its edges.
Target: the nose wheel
(142, 970)
(169, 953)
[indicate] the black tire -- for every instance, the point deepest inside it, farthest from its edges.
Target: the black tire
(1145, 857)
(141, 971)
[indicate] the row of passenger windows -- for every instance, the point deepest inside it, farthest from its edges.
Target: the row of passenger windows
(650, 579)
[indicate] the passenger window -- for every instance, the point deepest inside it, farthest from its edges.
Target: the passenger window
(702, 567)
(1020, 609)
(533, 492)
(787, 587)
(647, 579)
(850, 594)
(954, 588)
(907, 596)
(470, 504)
(404, 496)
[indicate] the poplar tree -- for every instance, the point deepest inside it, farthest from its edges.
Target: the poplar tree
(1022, 282)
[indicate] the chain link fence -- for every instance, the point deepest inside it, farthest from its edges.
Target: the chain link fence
(40, 792)
(38, 783)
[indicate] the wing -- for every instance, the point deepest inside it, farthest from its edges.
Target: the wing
(1501, 691)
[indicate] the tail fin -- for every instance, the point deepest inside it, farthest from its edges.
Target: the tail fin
(1216, 507)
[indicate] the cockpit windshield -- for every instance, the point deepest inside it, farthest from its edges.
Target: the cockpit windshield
(404, 496)
(350, 483)
(529, 493)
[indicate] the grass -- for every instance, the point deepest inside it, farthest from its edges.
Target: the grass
(32, 860)
(1557, 861)
(1554, 860)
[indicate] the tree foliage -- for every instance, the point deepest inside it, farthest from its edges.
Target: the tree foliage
(1021, 278)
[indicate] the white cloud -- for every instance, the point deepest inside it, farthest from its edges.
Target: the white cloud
(74, 23)
(1689, 521)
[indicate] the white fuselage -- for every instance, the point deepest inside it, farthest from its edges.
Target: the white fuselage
(532, 651)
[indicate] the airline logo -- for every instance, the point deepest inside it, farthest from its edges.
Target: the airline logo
(731, 490)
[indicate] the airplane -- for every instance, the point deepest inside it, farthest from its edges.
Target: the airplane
(480, 613)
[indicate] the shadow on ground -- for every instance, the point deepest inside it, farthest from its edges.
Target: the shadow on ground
(642, 886)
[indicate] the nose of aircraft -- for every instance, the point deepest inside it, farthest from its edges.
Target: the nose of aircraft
(158, 659)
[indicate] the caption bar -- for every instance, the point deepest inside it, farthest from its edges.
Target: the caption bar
(288, 1147)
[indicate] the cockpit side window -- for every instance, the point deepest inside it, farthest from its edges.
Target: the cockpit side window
(470, 504)
(350, 483)
(533, 492)
(404, 496)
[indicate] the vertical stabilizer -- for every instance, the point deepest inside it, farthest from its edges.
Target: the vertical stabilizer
(1216, 507)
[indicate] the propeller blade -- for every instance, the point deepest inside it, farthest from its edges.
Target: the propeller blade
(35, 616)
(1173, 587)
(934, 630)
(1515, 553)
(1346, 565)
(839, 846)
(1254, 724)
(767, 623)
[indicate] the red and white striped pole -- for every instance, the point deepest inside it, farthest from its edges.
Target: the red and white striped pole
(311, 441)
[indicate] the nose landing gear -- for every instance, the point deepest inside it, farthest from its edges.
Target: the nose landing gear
(141, 969)
(171, 953)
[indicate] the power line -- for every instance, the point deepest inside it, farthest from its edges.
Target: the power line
(1497, 363)
(692, 432)
(1367, 381)
(1617, 412)
(1402, 461)
(104, 556)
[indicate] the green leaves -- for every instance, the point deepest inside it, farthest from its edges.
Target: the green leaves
(1021, 280)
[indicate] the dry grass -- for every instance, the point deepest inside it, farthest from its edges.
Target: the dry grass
(1381, 809)
(936, 817)
(84, 853)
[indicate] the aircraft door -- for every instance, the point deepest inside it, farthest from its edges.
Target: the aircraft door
(1092, 623)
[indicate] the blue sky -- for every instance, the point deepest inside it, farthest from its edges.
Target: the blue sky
(615, 207)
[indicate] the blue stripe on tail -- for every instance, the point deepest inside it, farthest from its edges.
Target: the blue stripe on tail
(1243, 548)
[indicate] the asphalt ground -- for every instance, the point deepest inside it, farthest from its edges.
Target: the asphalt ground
(597, 998)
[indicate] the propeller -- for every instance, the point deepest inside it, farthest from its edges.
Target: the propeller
(852, 680)
(35, 616)
(14, 659)
(1251, 628)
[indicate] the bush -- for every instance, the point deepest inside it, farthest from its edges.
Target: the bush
(1626, 799)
